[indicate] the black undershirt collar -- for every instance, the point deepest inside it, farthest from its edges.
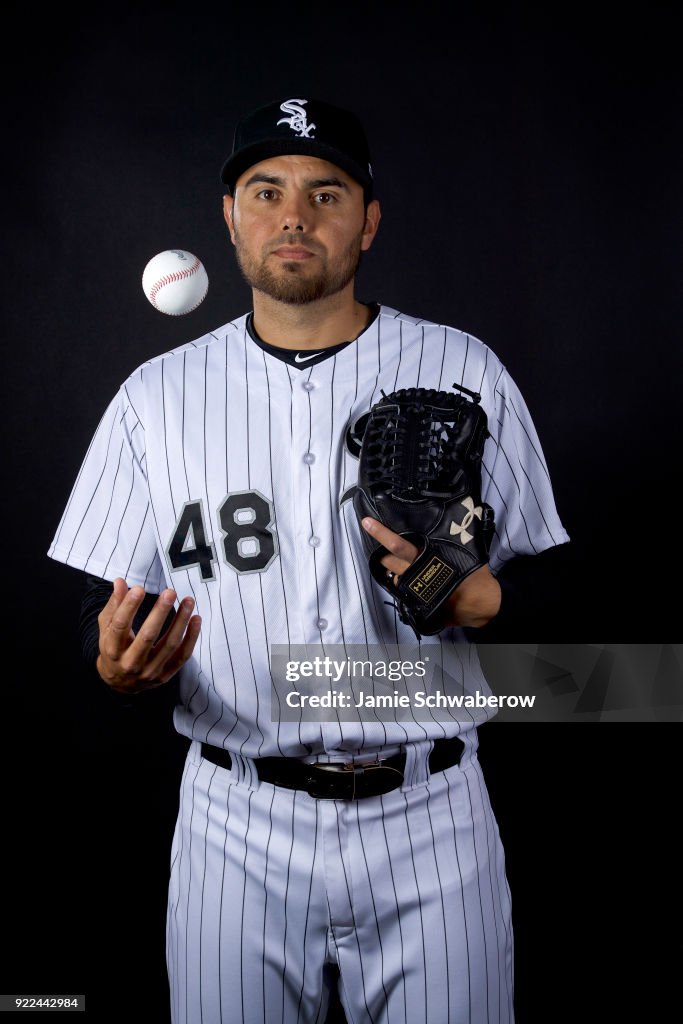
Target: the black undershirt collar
(303, 358)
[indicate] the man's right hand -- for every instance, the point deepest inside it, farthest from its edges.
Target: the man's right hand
(131, 662)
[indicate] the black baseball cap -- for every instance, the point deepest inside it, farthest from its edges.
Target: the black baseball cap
(307, 126)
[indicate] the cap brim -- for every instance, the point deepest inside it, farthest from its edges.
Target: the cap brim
(236, 165)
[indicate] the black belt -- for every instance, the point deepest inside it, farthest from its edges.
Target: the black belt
(346, 782)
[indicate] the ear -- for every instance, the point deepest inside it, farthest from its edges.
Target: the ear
(228, 204)
(373, 215)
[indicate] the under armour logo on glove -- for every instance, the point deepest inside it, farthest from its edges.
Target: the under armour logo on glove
(297, 122)
(460, 530)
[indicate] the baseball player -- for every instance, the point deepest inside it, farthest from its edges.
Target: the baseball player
(218, 491)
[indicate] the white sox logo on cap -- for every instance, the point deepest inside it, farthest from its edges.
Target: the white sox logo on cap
(297, 121)
(461, 529)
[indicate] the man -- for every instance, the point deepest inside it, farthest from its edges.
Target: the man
(305, 842)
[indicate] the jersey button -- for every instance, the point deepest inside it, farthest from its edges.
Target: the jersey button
(314, 541)
(321, 623)
(309, 458)
(308, 385)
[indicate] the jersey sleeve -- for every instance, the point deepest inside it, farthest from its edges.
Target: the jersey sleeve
(516, 481)
(107, 526)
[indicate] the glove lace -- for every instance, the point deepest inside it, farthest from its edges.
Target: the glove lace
(412, 453)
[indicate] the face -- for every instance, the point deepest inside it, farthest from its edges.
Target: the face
(299, 227)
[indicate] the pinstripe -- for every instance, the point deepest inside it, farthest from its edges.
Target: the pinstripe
(345, 465)
(283, 958)
(201, 902)
(530, 441)
(75, 489)
(129, 400)
(190, 582)
(399, 912)
(221, 734)
(495, 922)
(373, 393)
(189, 896)
(333, 500)
(275, 521)
(374, 906)
(109, 507)
(245, 988)
(95, 489)
(310, 516)
(480, 387)
(443, 911)
(183, 425)
(125, 509)
(350, 911)
(443, 359)
(467, 352)
(135, 548)
(308, 907)
(462, 899)
(163, 420)
(423, 949)
(486, 472)
(239, 586)
(265, 902)
(172, 947)
(502, 451)
(481, 908)
(540, 506)
(221, 905)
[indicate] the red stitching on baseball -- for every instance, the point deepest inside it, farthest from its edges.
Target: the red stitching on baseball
(169, 278)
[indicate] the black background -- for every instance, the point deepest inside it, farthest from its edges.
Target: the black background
(529, 170)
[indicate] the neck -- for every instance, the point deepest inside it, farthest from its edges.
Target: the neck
(315, 326)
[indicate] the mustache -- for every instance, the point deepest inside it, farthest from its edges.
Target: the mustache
(298, 241)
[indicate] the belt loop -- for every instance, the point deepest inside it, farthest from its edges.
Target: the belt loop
(417, 766)
(245, 770)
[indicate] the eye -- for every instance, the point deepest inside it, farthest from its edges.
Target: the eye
(324, 198)
(267, 193)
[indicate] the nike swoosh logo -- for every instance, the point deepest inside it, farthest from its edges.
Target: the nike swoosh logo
(303, 359)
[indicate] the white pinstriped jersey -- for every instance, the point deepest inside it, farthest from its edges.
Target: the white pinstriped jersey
(226, 473)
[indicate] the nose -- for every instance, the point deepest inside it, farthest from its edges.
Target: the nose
(295, 213)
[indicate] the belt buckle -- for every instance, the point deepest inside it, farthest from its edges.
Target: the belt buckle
(359, 769)
(323, 784)
(324, 788)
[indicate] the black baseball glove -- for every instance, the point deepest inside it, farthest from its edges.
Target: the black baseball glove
(420, 475)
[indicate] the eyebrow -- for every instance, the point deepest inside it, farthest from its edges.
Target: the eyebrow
(274, 179)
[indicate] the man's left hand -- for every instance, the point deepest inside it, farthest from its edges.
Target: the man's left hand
(473, 603)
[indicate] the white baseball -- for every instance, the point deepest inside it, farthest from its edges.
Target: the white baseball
(175, 282)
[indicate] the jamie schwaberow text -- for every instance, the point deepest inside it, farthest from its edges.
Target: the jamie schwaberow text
(419, 699)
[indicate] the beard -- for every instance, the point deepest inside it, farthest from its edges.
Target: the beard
(290, 285)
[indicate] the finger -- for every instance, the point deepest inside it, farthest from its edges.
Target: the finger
(173, 637)
(394, 566)
(183, 652)
(154, 660)
(176, 645)
(149, 631)
(119, 591)
(393, 542)
(117, 635)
